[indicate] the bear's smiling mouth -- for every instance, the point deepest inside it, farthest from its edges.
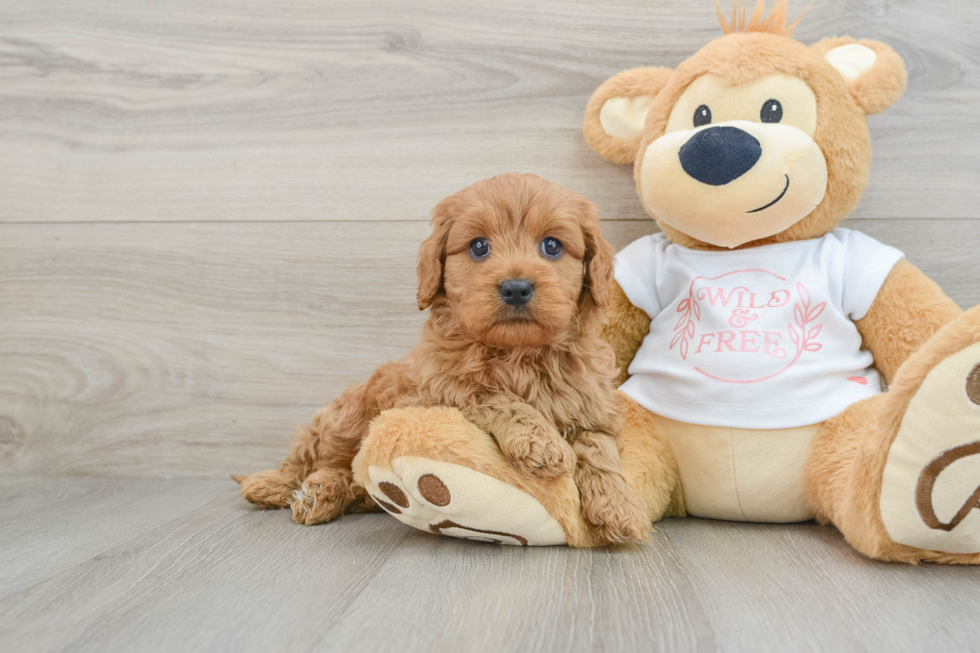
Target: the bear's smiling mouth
(785, 188)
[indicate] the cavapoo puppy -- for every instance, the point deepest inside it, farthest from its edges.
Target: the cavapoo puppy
(516, 273)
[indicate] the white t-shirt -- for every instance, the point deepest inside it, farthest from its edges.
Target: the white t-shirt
(760, 338)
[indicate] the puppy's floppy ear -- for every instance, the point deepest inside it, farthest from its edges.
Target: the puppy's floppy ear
(599, 256)
(617, 111)
(874, 73)
(432, 252)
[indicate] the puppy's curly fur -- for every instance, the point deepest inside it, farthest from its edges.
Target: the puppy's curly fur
(536, 377)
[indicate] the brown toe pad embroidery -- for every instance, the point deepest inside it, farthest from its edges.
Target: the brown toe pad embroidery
(387, 506)
(973, 385)
(394, 493)
(927, 480)
(490, 535)
(434, 490)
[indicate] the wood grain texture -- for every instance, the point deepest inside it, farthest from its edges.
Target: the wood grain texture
(132, 110)
(195, 349)
(209, 573)
(209, 214)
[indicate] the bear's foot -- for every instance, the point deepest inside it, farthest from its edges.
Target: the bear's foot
(930, 493)
(433, 470)
(449, 499)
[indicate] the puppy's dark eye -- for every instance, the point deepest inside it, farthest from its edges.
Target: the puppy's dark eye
(772, 111)
(480, 248)
(702, 115)
(551, 247)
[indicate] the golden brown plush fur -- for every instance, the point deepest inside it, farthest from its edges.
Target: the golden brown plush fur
(629, 83)
(911, 327)
(844, 473)
(625, 328)
(536, 377)
(909, 310)
(878, 88)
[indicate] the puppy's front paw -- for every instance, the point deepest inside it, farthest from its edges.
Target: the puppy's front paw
(322, 497)
(538, 454)
(610, 506)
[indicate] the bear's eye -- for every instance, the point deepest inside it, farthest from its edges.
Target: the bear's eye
(551, 247)
(702, 115)
(772, 111)
(479, 248)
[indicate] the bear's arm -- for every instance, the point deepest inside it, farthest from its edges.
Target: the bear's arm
(625, 328)
(908, 310)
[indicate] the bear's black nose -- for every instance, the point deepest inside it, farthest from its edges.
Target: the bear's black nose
(516, 292)
(718, 155)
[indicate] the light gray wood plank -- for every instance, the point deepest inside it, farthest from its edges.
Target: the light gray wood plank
(52, 524)
(194, 349)
(554, 599)
(225, 577)
(803, 583)
(190, 336)
(699, 585)
(126, 110)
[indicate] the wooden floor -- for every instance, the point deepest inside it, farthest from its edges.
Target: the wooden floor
(209, 217)
(136, 564)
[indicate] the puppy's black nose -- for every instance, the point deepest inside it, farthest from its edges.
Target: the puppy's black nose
(516, 292)
(718, 155)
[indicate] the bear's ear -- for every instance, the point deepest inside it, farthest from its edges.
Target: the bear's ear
(617, 110)
(874, 73)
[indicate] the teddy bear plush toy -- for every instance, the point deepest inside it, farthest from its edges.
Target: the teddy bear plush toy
(755, 337)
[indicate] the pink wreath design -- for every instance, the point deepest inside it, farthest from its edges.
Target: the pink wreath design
(803, 340)
(684, 329)
(803, 315)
